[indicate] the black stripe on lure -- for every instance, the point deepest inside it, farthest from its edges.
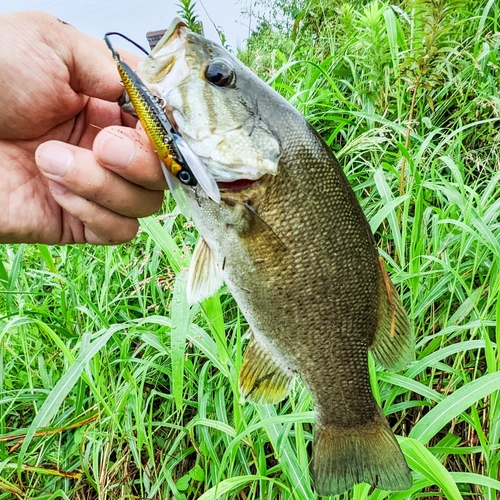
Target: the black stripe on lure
(178, 159)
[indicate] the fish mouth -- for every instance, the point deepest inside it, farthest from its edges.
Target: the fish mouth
(164, 68)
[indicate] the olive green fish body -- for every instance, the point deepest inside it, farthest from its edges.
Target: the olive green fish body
(304, 273)
(297, 253)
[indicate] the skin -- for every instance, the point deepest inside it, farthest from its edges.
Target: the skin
(73, 169)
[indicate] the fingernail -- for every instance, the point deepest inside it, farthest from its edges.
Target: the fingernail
(54, 159)
(114, 149)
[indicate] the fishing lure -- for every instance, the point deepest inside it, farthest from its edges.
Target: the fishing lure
(179, 162)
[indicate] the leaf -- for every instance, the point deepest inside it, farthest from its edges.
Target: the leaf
(47, 257)
(64, 385)
(165, 241)
(4, 277)
(392, 37)
(297, 476)
(235, 483)
(214, 424)
(392, 217)
(15, 271)
(410, 385)
(421, 460)
(479, 479)
(453, 405)
(182, 484)
(181, 319)
(197, 473)
(434, 357)
(387, 210)
(196, 335)
(212, 311)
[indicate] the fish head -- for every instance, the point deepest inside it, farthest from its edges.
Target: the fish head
(213, 101)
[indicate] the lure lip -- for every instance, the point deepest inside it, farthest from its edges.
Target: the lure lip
(199, 169)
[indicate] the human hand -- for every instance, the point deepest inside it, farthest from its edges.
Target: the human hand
(72, 170)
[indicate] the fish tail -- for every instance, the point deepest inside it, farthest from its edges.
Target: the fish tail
(370, 454)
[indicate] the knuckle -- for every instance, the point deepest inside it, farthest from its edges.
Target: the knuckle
(157, 202)
(126, 232)
(111, 231)
(151, 206)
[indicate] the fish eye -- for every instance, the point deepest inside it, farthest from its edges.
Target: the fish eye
(220, 73)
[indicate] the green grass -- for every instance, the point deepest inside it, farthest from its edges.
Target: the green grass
(111, 387)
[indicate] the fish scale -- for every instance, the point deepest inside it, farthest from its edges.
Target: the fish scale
(297, 254)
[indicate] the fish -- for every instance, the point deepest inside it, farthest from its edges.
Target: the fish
(290, 241)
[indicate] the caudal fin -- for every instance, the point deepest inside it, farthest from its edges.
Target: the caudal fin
(369, 454)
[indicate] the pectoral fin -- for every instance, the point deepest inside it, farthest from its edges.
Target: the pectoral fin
(264, 378)
(205, 276)
(394, 343)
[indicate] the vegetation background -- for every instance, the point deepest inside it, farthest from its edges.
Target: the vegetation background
(111, 387)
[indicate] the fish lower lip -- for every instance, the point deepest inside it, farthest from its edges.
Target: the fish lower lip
(238, 185)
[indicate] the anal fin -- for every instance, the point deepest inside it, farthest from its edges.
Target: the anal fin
(204, 276)
(264, 378)
(394, 342)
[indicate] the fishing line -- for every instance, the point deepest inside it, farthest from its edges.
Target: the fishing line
(116, 33)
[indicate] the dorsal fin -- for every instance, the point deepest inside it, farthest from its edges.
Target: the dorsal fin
(394, 344)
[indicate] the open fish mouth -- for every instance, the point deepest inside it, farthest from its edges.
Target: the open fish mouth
(231, 139)
(164, 68)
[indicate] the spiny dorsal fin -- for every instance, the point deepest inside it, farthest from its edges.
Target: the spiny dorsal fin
(394, 343)
(264, 378)
(205, 276)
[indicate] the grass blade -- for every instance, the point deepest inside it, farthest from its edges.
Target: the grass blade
(420, 459)
(288, 458)
(453, 405)
(234, 483)
(65, 384)
(181, 319)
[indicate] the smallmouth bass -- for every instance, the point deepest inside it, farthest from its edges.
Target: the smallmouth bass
(292, 244)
